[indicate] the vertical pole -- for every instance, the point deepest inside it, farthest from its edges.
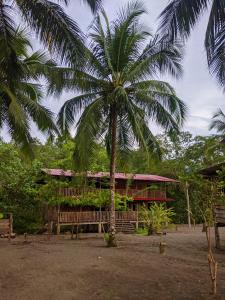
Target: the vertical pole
(100, 220)
(72, 232)
(217, 236)
(188, 205)
(99, 228)
(10, 226)
(137, 216)
(58, 220)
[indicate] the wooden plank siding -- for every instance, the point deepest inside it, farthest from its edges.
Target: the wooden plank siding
(219, 215)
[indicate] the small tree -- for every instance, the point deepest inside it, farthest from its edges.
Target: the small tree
(156, 217)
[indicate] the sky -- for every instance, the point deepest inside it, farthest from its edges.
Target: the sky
(197, 88)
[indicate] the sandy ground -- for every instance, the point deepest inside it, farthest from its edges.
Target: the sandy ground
(85, 269)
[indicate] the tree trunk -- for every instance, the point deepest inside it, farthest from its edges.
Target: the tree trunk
(112, 221)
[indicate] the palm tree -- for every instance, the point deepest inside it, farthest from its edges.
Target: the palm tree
(20, 91)
(119, 94)
(218, 122)
(20, 97)
(180, 16)
(49, 21)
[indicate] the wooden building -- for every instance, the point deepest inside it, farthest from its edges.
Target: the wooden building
(141, 188)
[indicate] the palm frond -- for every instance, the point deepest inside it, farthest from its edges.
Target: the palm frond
(180, 16)
(218, 122)
(72, 108)
(55, 29)
(89, 127)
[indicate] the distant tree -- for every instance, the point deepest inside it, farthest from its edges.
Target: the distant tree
(18, 189)
(120, 94)
(179, 18)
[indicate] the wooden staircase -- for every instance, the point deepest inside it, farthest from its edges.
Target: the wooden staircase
(124, 226)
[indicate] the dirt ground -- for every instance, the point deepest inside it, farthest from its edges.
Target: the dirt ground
(85, 269)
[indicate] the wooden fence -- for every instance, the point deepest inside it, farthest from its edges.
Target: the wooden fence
(94, 217)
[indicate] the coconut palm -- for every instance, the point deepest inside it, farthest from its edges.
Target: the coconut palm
(49, 21)
(20, 97)
(180, 16)
(119, 93)
(218, 122)
(21, 92)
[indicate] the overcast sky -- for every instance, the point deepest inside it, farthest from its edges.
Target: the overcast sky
(197, 88)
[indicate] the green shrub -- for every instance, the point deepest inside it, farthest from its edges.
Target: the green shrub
(156, 217)
(141, 231)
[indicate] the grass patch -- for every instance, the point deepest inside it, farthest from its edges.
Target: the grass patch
(141, 231)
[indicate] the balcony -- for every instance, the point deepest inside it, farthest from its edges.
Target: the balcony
(136, 194)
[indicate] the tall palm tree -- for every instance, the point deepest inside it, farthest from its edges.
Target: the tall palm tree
(218, 122)
(21, 92)
(49, 21)
(180, 16)
(119, 94)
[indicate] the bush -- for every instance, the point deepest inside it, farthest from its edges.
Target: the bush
(157, 217)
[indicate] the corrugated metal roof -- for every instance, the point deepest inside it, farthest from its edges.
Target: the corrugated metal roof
(125, 176)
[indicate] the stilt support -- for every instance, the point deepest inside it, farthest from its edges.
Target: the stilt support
(217, 236)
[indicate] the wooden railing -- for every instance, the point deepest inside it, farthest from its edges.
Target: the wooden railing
(89, 217)
(135, 193)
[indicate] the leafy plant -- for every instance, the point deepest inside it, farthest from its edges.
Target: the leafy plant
(156, 217)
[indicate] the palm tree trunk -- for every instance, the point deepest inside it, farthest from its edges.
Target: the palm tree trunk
(112, 224)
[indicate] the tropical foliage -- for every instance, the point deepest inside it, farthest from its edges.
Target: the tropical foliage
(22, 194)
(179, 18)
(55, 29)
(21, 91)
(156, 217)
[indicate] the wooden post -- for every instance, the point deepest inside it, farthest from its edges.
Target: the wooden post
(49, 229)
(72, 232)
(217, 236)
(100, 227)
(100, 220)
(137, 225)
(77, 232)
(10, 226)
(162, 248)
(58, 220)
(188, 206)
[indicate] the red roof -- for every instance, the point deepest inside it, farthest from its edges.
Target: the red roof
(125, 176)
